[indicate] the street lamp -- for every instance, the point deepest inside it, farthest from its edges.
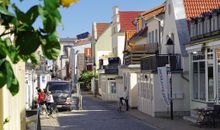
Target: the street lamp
(73, 66)
(170, 51)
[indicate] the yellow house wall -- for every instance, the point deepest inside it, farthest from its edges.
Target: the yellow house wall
(14, 106)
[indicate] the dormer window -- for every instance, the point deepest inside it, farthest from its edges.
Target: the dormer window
(137, 27)
(143, 23)
(218, 21)
(200, 26)
(207, 25)
(193, 28)
(214, 22)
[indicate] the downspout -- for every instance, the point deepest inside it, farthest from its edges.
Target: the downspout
(159, 31)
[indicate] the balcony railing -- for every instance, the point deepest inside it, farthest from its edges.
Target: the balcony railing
(134, 55)
(111, 69)
(151, 63)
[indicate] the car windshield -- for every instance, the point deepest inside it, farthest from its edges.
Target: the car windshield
(59, 87)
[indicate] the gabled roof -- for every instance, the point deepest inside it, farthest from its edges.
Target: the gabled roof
(126, 18)
(155, 11)
(195, 8)
(101, 27)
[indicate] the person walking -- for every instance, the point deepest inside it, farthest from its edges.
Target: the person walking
(50, 103)
(125, 98)
(41, 100)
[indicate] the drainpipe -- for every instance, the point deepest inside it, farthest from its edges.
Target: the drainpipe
(159, 25)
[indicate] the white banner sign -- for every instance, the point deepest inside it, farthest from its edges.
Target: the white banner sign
(163, 80)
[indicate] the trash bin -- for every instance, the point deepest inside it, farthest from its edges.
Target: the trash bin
(75, 103)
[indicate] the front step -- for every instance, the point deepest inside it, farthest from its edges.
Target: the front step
(191, 119)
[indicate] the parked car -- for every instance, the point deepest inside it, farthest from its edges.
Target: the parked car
(62, 94)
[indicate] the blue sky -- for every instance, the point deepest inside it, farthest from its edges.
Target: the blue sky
(79, 17)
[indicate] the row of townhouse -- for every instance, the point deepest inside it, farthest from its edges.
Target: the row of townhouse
(74, 58)
(180, 34)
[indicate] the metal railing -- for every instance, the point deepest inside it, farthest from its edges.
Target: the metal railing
(151, 63)
(134, 55)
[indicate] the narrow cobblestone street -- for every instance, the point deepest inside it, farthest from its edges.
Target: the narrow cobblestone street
(96, 115)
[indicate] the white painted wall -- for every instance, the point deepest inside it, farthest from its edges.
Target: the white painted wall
(99, 55)
(133, 90)
(175, 23)
(104, 85)
(30, 87)
(155, 105)
(44, 78)
(120, 46)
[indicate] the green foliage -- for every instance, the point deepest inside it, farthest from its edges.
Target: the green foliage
(85, 78)
(27, 38)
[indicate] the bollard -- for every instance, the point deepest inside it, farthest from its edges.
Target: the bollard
(38, 120)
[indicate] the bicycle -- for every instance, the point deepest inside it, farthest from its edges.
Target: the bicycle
(122, 105)
(52, 109)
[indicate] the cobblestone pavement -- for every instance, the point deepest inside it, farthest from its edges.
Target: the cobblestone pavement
(102, 115)
(96, 115)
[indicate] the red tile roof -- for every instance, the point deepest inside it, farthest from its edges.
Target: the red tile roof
(101, 27)
(126, 18)
(195, 8)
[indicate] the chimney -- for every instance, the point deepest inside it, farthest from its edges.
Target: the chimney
(115, 10)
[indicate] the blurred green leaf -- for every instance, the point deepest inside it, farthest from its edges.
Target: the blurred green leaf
(49, 23)
(3, 73)
(34, 59)
(32, 15)
(51, 4)
(52, 47)
(4, 11)
(27, 41)
(12, 51)
(20, 15)
(3, 50)
(12, 82)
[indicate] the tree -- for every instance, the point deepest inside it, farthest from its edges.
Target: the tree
(85, 79)
(27, 38)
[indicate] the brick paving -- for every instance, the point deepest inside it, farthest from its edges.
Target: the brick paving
(89, 119)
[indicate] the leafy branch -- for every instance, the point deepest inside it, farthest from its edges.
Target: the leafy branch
(27, 38)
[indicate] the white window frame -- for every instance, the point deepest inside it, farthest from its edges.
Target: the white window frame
(215, 22)
(218, 19)
(156, 36)
(143, 23)
(152, 37)
(206, 60)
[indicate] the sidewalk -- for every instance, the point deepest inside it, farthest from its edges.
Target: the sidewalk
(164, 123)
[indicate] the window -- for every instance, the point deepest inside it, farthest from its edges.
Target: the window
(218, 72)
(152, 41)
(210, 74)
(199, 76)
(203, 75)
(218, 21)
(113, 87)
(214, 22)
(137, 27)
(156, 36)
(143, 23)
(192, 29)
(149, 38)
(200, 27)
(207, 25)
